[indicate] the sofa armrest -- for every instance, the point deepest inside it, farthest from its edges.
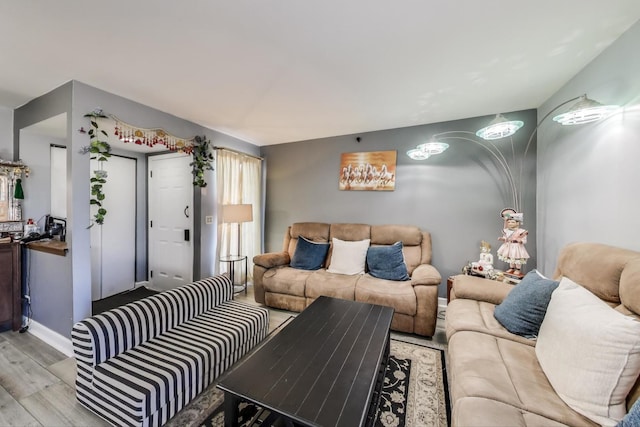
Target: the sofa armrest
(425, 274)
(272, 259)
(480, 289)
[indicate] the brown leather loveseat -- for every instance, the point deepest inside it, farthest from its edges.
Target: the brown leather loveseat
(415, 301)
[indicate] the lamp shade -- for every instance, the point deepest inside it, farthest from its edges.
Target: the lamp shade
(237, 213)
(499, 127)
(585, 111)
(426, 150)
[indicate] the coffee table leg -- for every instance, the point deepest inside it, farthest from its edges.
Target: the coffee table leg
(230, 410)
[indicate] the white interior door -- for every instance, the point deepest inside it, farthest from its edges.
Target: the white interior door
(113, 244)
(170, 221)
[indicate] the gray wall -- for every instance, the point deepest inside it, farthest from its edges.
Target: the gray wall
(588, 175)
(6, 133)
(47, 276)
(457, 196)
(74, 283)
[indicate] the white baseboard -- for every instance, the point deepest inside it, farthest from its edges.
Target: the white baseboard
(143, 283)
(52, 338)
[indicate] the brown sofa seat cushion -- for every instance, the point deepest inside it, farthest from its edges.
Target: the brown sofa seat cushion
(321, 282)
(286, 280)
(506, 371)
(481, 412)
(472, 315)
(399, 295)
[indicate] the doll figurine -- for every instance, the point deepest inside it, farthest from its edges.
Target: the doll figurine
(483, 267)
(514, 238)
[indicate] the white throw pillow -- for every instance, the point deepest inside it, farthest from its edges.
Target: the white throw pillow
(589, 352)
(348, 257)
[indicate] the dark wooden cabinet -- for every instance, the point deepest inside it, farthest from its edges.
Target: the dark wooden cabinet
(10, 286)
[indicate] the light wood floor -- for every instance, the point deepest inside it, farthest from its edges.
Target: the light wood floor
(37, 382)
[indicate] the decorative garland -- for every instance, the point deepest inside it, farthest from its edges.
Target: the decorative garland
(198, 147)
(150, 137)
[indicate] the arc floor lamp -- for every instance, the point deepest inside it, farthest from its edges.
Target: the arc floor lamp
(585, 110)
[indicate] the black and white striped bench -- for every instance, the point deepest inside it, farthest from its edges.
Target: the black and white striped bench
(141, 363)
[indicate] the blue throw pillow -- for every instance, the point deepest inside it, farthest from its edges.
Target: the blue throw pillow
(309, 255)
(632, 419)
(387, 262)
(523, 310)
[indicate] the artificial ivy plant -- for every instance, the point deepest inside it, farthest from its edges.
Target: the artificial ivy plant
(101, 151)
(202, 158)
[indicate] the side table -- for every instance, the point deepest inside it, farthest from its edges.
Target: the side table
(231, 261)
(449, 286)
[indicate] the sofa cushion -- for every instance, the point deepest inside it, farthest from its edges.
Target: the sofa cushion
(399, 295)
(477, 316)
(481, 365)
(481, 412)
(309, 255)
(322, 282)
(523, 309)
(286, 280)
(589, 352)
(387, 262)
(348, 257)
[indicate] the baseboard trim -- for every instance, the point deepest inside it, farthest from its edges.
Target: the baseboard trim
(143, 283)
(52, 338)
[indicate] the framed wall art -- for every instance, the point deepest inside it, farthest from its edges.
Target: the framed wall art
(368, 171)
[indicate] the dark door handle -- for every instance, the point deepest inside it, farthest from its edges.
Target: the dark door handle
(186, 211)
(186, 235)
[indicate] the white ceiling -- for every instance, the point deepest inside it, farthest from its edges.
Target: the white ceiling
(275, 71)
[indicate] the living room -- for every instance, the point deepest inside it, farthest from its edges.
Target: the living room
(579, 182)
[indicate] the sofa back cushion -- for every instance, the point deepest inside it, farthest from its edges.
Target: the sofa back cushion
(416, 245)
(630, 285)
(313, 231)
(348, 233)
(597, 267)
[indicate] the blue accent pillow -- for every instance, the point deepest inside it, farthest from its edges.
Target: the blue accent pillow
(309, 255)
(632, 419)
(523, 310)
(387, 262)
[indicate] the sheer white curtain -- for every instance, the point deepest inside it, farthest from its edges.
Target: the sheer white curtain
(239, 182)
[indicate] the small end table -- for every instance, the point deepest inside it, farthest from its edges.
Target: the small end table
(231, 260)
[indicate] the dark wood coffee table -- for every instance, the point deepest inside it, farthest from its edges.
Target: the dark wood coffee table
(325, 368)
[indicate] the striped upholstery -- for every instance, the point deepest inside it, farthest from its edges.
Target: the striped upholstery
(141, 363)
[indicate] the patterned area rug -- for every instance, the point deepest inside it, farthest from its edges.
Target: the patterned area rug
(415, 393)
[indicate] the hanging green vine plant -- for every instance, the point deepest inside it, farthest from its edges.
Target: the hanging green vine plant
(100, 151)
(202, 158)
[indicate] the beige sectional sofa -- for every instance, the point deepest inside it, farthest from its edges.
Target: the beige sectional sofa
(497, 378)
(415, 301)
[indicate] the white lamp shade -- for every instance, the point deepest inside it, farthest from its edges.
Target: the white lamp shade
(585, 111)
(499, 127)
(237, 213)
